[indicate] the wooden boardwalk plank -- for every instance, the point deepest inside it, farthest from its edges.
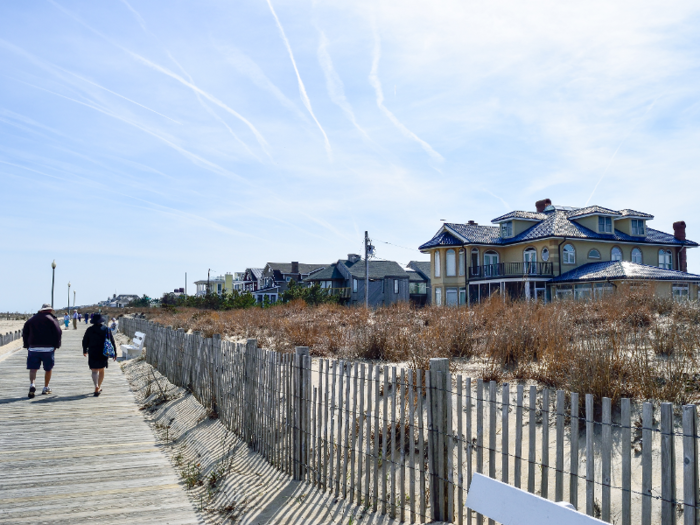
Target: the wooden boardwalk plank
(69, 457)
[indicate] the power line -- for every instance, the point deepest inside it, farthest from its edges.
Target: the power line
(403, 247)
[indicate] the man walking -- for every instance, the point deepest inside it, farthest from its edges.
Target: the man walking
(41, 336)
(75, 319)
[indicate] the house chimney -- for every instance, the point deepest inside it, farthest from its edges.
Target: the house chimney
(472, 223)
(679, 233)
(353, 257)
(679, 230)
(295, 266)
(541, 205)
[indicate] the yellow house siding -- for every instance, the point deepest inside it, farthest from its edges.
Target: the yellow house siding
(588, 222)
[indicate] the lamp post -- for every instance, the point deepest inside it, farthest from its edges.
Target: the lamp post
(53, 279)
(68, 307)
(73, 298)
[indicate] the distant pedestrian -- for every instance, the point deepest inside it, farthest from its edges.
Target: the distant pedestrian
(80, 317)
(87, 317)
(113, 325)
(66, 320)
(75, 319)
(93, 348)
(41, 336)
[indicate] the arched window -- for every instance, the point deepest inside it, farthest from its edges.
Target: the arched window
(665, 259)
(437, 264)
(594, 254)
(569, 254)
(490, 263)
(474, 264)
(545, 254)
(637, 255)
(461, 262)
(616, 254)
(530, 260)
(450, 264)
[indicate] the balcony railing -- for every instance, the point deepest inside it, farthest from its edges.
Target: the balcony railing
(511, 269)
(343, 293)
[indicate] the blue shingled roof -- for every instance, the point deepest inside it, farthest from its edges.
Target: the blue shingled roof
(615, 270)
(526, 215)
(556, 224)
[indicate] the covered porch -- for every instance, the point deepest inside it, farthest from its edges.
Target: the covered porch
(514, 289)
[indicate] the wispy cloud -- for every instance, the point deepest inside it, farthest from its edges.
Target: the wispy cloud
(302, 89)
(377, 85)
(334, 84)
(261, 140)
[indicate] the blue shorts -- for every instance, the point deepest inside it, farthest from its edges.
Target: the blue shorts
(36, 359)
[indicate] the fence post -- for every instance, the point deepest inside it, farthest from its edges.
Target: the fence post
(690, 465)
(668, 464)
(301, 381)
(250, 347)
(440, 403)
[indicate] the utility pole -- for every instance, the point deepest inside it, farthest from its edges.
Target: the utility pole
(208, 272)
(369, 250)
(53, 279)
(185, 283)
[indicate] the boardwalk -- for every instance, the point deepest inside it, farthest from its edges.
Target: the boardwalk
(71, 458)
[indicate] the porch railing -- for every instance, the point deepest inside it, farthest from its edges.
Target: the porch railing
(511, 269)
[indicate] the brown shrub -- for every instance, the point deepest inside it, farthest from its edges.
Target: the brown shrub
(630, 343)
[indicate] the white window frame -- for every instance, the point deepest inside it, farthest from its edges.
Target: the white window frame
(592, 256)
(507, 229)
(452, 297)
(569, 256)
(354, 285)
(438, 296)
(450, 263)
(606, 222)
(638, 227)
(545, 254)
(665, 259)
(461, 262)
(641, 256)
(612, 253)
(396, 286)
(680, 292)
(436, 264)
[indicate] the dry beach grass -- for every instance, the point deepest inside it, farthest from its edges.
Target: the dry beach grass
(629, 344)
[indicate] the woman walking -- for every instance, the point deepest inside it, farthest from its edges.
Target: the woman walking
(66, 320)
(93, 347)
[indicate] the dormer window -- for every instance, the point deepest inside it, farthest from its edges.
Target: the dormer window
(604, 224)
(638, 227)
(507, 229)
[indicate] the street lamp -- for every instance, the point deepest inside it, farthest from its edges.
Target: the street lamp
(68, 307)
(73, 298)
(53, 279)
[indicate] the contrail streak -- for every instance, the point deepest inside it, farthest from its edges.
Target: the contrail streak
(302, 89)
(261, 140)
(335, 85)
(374, 81)
(618, 149)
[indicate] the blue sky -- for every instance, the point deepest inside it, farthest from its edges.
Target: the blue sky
(144, 139)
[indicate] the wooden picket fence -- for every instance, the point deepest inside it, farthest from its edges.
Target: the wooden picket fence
(7, 338)
(406, 442)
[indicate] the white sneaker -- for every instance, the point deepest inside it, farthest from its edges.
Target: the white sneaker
(46, 390)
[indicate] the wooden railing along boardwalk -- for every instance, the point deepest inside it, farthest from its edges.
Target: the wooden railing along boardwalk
(406, 442)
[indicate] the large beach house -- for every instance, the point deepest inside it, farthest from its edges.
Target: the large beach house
(557, 252)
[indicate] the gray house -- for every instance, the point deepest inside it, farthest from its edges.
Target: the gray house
(388, 281)
(419, 282)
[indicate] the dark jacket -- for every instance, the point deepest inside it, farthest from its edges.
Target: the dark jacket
(42, 329)
(94, 340)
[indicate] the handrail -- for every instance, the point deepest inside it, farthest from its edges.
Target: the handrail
(512, 269)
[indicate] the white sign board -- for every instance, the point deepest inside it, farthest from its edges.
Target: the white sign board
(511, 506)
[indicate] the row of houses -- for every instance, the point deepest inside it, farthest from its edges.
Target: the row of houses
(389, 282)
(554, 252)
